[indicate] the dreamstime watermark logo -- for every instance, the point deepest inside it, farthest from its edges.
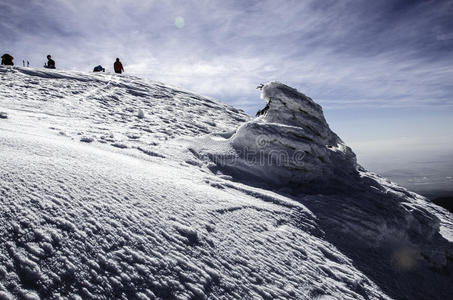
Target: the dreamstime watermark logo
(299, 156)
(262, 141)
(261, 157)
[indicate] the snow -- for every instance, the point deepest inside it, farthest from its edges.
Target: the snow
(140, 114)
(117, 187)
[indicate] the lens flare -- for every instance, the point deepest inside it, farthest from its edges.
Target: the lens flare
(405, 259)
(179, 22)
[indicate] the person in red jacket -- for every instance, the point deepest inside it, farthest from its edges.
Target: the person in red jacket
(118, 66)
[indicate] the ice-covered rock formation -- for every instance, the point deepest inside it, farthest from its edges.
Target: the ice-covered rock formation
(289, 145)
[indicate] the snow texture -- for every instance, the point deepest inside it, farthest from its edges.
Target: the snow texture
(114, 187)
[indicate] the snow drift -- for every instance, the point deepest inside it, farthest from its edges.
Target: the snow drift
(118, 187)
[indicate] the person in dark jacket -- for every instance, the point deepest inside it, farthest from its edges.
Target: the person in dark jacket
(7, 60)
(50, 63)
(98, 69)
(118, 66)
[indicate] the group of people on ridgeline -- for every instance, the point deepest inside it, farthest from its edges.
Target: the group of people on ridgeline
(7, 60)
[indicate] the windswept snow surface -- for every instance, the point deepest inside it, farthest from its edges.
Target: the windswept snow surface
(112, 187)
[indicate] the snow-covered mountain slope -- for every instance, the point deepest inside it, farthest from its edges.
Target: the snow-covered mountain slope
(121, 111)
(113, 187)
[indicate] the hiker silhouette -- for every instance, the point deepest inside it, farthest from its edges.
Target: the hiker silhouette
(50, 63)
(118, 66)
(7, 60)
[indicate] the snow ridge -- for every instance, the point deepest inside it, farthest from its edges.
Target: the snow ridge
(122, 111)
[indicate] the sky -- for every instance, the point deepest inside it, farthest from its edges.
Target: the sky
(382, 70)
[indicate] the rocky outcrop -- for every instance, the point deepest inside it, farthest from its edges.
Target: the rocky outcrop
(289, 145)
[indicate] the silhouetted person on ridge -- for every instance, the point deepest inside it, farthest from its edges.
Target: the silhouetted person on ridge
(7, 60)
(50, 63)
(118, 66)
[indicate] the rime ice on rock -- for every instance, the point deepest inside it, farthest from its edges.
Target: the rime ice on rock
(290, 144)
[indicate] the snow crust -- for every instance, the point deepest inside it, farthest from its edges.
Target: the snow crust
(114, 187)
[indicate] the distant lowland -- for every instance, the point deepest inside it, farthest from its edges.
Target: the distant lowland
(441, 198)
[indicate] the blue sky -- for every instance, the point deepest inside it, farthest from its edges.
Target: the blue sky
(383, 70)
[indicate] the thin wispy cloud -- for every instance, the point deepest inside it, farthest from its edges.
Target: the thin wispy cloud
(345, 52)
